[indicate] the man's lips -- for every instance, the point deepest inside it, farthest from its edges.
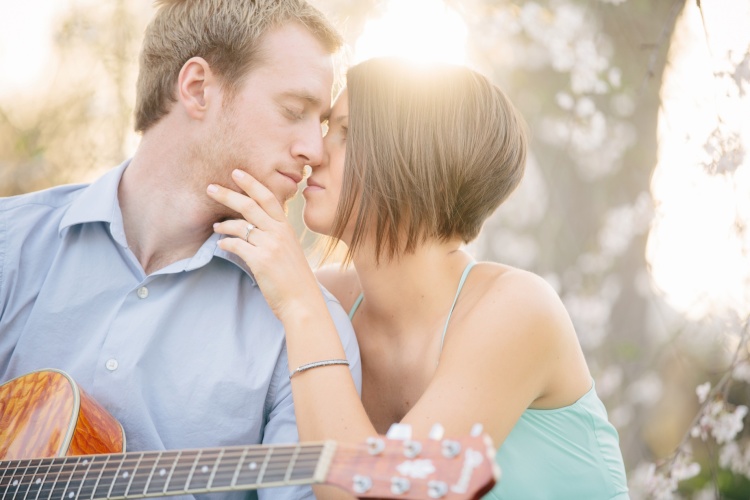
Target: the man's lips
(295, 176)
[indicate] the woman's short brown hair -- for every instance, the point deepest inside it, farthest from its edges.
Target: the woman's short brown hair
(226, 33)
(431, 152)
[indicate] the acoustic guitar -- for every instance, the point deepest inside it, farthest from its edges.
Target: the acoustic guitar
(56, 442)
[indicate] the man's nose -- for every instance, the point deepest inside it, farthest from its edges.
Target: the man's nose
(309, 147)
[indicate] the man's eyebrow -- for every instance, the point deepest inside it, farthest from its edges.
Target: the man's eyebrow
(303, 96)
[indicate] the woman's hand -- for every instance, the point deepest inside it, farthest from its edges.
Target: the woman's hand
(266, 242)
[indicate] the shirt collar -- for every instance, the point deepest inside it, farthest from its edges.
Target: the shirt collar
(98, 202)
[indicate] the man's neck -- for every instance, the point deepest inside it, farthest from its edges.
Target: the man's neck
(164, 217)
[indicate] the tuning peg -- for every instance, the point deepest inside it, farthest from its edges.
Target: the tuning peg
(437, 432)
(412, 448)
(399, 432)
(451, 448)
(362, 484)
(476, 430)
(375, 445)
(399, 485)
(437, 489)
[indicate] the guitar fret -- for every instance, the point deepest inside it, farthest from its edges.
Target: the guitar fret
(248, 472)
(277, 465)
(264, 466)
(192, 471)
(53, 485)
(99, 477)
(42, 487)
(133, 474)
(114, 478)
(171, 471)
(151, 475)
(239, 467)
(87, 462)
(305, 464)
(12, 482)
(37, 480)
(141, 474)
(216, 467)
(67, 491)
(178, 480)
(21, 484)
(225, 468)
(163, 467)
(205, 464)
(94, 467)
(290, 467)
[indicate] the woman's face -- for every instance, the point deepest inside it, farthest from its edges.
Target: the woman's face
(324, 184)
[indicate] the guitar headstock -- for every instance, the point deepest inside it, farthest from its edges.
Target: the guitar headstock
(450, 469)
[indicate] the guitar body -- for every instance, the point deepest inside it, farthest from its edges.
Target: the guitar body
(46, 414)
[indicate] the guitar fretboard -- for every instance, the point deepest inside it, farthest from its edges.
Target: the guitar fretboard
(164, 473)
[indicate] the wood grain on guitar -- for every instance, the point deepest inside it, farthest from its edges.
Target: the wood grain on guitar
(56, 442)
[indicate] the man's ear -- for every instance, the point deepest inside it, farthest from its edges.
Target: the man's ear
(195, 86)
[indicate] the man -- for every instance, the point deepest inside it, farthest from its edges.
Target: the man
(120, 283)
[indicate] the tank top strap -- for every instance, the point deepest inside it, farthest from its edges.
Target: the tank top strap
(455, 299)
(355, 306)
(471, 264)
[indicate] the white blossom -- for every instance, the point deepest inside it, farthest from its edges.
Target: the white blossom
(647, 390)
(729, 424)
(609, 381)
(702, 391)
(720, 423)
(725, 152)
(741, 371)
(564, 100)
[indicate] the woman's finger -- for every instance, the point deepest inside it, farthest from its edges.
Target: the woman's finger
(244, 205)
(260, 193)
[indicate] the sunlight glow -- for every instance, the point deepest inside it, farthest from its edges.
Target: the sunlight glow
(698, 246)
(418, 30)
(25, 42)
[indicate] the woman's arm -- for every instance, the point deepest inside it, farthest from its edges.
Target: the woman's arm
(498, 359)
(326, 401)
(503, 355)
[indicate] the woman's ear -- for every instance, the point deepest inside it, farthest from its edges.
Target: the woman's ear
(194, 84)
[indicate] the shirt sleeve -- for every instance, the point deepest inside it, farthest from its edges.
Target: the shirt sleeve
(281, 428)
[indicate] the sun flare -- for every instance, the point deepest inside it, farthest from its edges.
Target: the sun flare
(418, 30)
(698, 246)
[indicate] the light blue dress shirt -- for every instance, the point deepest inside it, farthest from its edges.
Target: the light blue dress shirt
(189, 356)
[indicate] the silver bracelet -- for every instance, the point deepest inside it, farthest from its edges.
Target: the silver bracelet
(316, 364)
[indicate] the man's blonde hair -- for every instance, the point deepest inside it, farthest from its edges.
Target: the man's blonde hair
(226, 33)
(431, 152)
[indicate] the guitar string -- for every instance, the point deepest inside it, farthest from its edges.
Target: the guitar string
(150, 459)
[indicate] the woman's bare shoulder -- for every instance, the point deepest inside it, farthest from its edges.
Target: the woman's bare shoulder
(504, 297)
(343, 283)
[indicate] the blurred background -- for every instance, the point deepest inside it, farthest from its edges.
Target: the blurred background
(635, 205)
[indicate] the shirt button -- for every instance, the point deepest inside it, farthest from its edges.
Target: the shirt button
(111, 364)
(142, 292)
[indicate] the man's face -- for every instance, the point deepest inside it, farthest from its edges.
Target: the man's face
(271, 126)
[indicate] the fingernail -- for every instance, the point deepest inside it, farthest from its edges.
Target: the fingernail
(238, 173)
(216, 224)
(212, 188)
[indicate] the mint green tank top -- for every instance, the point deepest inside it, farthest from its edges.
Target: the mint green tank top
(568, 453)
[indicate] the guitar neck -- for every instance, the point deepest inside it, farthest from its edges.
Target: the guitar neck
(166, 473)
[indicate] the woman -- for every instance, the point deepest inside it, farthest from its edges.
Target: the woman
(415, 161)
